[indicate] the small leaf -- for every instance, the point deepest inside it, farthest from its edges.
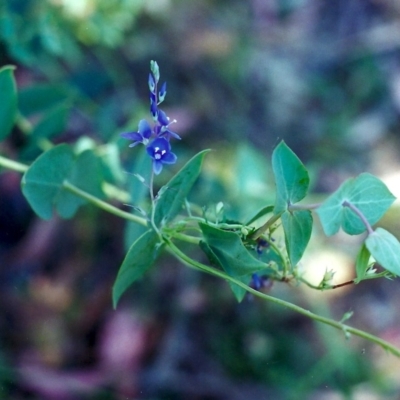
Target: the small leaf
(140, 257)
(366, 192)
(385, 248)
(172, 196)
(51, 125)
(8, 103)
(362, 263)
(265, 210)
(238, 291)
(291, 177)
(42, 97)
(42, 182)
(229, 251)
(297, 226)
(85, 174)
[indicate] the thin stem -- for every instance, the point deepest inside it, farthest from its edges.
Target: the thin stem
(293, 207)
(338, 325)
(359, 214)
(103, 205)
(265, 227)
(151, 184)
(14, 165)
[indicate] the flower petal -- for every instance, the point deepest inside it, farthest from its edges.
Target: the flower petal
(162, 118)
(169, 158)
(144, 128)
(157, 166)
(132, 136)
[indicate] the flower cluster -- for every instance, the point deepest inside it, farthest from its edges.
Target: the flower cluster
(156, 139)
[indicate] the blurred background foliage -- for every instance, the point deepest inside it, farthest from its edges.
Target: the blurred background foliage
(323, 75)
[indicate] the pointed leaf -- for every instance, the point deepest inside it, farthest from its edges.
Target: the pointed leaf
(140, 257)
(297, 226)
(85, 174)
(385, 248)
(238, 291)
(366, 192)
(230, 252)
(42, 182)
(362, 263)
(265, 210)
(8, 102)
(291, 177)
(173, 194)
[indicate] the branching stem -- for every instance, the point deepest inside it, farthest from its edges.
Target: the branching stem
(335, 324)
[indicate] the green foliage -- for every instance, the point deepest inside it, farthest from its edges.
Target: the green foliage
(385, 248)
(291, 178)
(139, 258)
(362, 263)
(228, 249)
(366, 192)
(297, 225)
(172, 196)
(42, 184)
(292, 181)
(8, 102)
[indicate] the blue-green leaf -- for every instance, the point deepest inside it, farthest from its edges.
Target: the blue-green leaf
(291, 177)
(42, 183)
(265, 210)
(238, 291)
(85, 174)
(8, 102)
(42, 97)
(140, 257)
(172, 196)
(362, 263)
(385, 248)
(366, 192)
(230, 252)
(297, 226)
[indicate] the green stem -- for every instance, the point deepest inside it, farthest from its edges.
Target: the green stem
(338, 325)
(19, 167)
(359, 214)
(293, 207)
(103, 205)
(266, 226)
(14, 165)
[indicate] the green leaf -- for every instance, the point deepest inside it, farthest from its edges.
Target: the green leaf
(265, 210)
(51, 125)
(291, 177)
(297, 226)
(385, 248)
(366, 192)
(230, 253)
(42, 183)
(173, 194)
(42, 97)
(84, 174)
(362, 263)
(238, 291)
(8, 102)
(140, 257)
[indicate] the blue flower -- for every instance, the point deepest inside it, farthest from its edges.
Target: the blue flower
(163, 130)
(160, 151)
(141, 136)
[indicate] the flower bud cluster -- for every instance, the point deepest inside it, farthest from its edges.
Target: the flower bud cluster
(156, 138)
